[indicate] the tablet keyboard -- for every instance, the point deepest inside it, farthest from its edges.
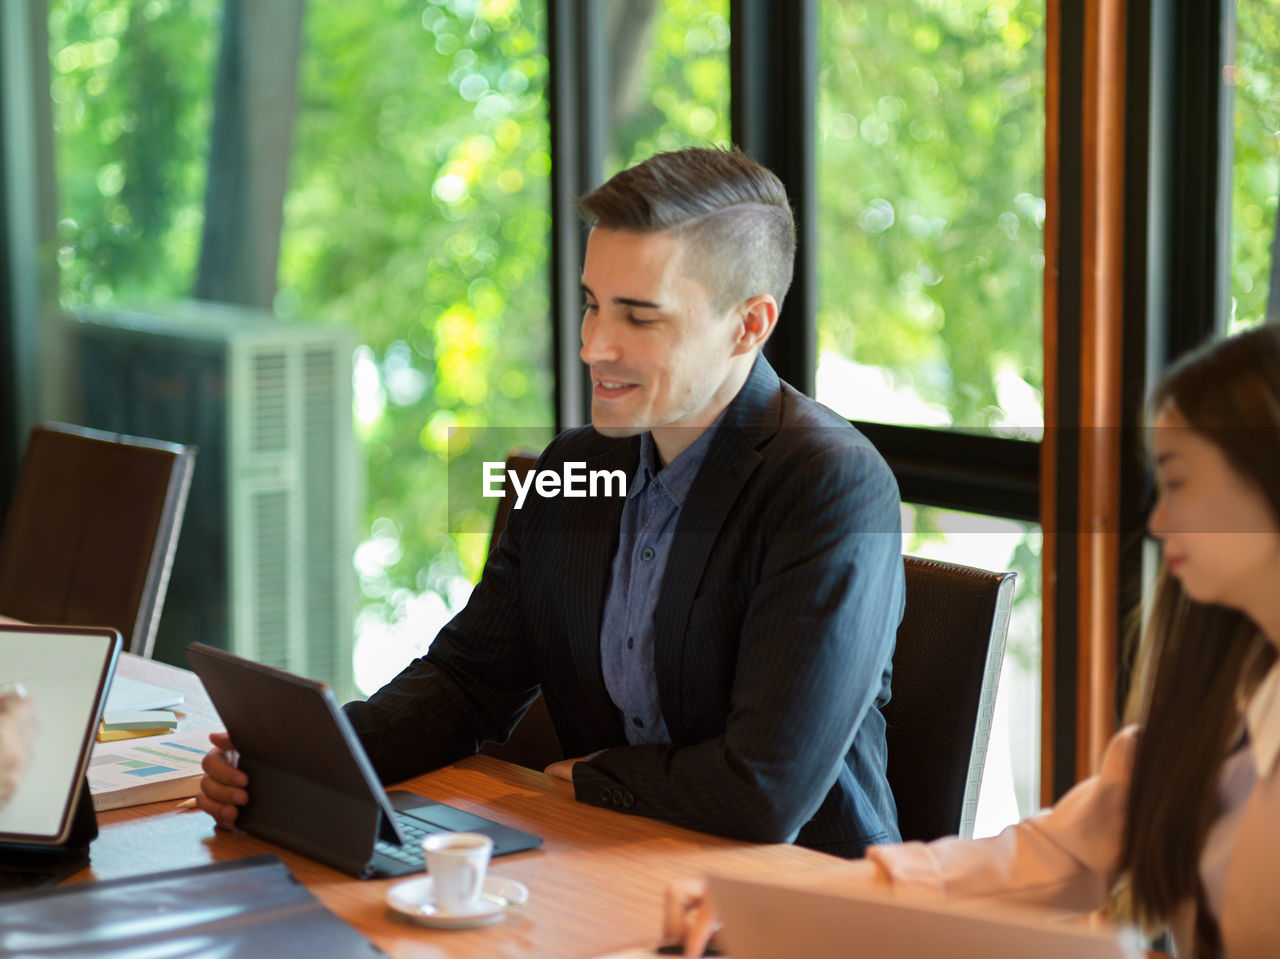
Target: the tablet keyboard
(413, 830)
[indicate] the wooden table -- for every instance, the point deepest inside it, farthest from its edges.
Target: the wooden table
(595, 886)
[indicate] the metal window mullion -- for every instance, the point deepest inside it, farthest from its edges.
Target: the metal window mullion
(577, 101)
(1193, 260)
(773, 65)
(32, 354)
(1060, 663)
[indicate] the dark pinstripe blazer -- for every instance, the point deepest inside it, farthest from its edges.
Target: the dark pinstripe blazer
(774, 631)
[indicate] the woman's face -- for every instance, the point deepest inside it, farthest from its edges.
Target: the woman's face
(1219, 536)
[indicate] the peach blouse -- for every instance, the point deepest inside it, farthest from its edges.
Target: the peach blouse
(1064, 858)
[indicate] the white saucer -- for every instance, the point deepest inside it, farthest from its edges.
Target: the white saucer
(414, 899)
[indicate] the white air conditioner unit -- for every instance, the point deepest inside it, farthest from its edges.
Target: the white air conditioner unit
(264, 562)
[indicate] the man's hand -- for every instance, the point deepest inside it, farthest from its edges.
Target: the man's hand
(222, 790)
(17, 729)
(564, 768)
(688, 916)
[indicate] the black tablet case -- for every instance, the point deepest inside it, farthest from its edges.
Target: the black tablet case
(309, 792)
(246, 907)
(43, 864)
(312, 788)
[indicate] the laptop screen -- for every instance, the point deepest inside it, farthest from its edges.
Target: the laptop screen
(66, 671)
(820, 918)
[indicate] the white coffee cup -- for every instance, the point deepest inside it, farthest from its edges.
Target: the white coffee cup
(457, 862)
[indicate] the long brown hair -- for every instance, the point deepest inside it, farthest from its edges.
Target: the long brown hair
(1195, 660)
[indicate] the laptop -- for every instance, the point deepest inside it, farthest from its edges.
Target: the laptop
(48, 822)
(764, 920)
(312, 788)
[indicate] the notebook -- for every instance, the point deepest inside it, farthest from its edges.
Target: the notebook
(312, 788)
(48, 822)
(128, 693)
(763, 920)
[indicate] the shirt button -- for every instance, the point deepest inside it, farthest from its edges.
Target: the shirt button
(646, 554)
(638, 721)
(631, 642)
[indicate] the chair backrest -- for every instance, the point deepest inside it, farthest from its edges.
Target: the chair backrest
(946, 668)
(521, 461)
(90, 532)
(533, 742)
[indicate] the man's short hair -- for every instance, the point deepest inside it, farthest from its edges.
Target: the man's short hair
(731, 211)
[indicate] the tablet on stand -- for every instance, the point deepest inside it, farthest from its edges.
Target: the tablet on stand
(48, 823)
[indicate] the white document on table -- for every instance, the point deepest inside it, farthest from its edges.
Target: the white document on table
(131, 772)
(133, 694)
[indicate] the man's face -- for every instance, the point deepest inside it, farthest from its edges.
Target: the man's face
(659, 350)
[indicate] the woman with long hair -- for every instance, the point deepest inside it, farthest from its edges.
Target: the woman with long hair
(1180, 828)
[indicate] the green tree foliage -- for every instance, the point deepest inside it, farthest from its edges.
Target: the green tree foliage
(679, 93)
(930, 164)
(131, 82)
(418, 214)
(1255, 172)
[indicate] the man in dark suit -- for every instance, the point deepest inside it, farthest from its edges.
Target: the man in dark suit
(714, 647)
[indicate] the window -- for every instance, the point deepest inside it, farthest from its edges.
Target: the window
(669, 78)
(417, 213)
(1254, 78)
(930, 159)
(132, 89)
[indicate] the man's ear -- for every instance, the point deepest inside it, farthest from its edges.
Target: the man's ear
(756, 319)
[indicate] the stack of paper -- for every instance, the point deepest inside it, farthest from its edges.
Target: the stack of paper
(128, 693)
(143, 702)
(135, 723)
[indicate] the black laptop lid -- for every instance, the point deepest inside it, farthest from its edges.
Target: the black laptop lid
(66, 671)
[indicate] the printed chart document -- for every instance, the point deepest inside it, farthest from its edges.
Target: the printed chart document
(137, 771)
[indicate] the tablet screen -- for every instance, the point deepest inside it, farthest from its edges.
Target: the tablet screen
(66, 671)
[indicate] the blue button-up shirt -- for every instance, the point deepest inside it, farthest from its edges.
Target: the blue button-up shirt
(645, 535)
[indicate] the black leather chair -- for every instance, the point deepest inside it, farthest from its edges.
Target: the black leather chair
(533, 742)
(90, 532)
(946, 668)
